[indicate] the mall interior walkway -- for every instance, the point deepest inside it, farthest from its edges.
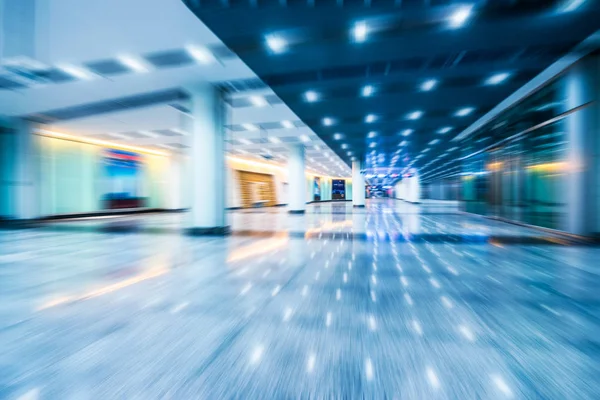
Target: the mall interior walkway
(391, 301)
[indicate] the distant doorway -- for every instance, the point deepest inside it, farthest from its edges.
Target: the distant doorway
(257, 190)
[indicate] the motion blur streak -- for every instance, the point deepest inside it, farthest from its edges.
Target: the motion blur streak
(265, 247)
(103, 290)
(307, 199)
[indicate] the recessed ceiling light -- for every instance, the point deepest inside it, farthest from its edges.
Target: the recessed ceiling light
(311, 96)
(460, 16)
(327, 121)
(76, 71)
(344, 146)
(367, 90)
(287, 124)
(407, 132)
(425, 150)
(304, 138)
(497, 78)
(338, 136)
(372, 134)
(258, 101)
(415, 115)
(372, 144)
(403, 143)
(250, 127)
(434, 141)
(133, 63)
(349, 153)
(274, 139)
(572, 5)
(444, 130)
(428, 85)
(200, 54)
(463, 112)
(370, 118)
(359, 32)
(276, 43)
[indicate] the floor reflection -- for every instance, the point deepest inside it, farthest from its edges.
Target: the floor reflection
(393, 301)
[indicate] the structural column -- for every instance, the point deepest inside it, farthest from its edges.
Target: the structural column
(358, 185)
(207, 162)
(297, 180)
(581, 88)
(19, 171)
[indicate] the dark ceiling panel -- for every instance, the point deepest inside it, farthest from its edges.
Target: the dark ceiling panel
(167, 132)
(107, 67)
(6, 83)
(409, 42)
(242, 85)
(169, 59)
(54, 75)
(135, 135)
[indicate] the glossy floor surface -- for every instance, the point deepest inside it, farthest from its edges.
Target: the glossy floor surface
(393, 301)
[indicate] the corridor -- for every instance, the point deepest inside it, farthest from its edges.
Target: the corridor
(390, 301)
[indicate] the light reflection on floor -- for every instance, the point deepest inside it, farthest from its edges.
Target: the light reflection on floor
(394, 301)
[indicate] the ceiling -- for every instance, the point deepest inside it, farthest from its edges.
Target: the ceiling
(356, 72)
(80, 80)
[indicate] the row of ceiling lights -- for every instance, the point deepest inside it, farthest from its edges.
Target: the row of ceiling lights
(369, 90)
(136, 64)
(359, 33)
(260, 101)
(360, 30)
(412, 116)
(336, 167)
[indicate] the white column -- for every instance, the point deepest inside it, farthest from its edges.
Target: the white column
(358, 185)
(19, 171)
(207, 162)
(296, 179)
(581, 86)
(414, 189)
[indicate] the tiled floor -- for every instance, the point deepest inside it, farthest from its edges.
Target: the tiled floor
(393, 301)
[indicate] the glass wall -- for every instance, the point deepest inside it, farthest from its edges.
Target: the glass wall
(515, 168)
(73, 177)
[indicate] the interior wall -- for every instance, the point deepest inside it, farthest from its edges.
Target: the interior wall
(72, 180)
(409, 189)
(256, 189)
(234, 198)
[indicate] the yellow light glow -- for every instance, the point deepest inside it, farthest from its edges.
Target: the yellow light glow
(103, 143)
(549, 167)
(255, 163)
(495, 166)
(255, 250)
(329, 226)
(103, 290)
